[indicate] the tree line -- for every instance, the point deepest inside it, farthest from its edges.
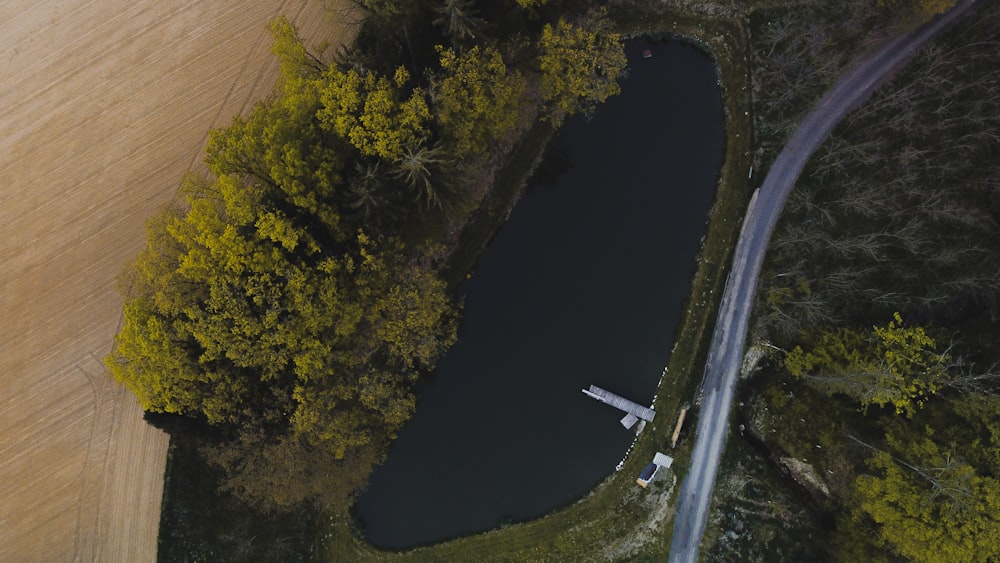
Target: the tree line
(289, 306)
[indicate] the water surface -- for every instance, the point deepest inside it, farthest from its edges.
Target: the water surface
(583, 285)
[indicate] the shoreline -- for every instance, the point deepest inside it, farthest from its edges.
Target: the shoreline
(729, 53)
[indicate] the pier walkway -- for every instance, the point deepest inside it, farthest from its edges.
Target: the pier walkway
(635, 411)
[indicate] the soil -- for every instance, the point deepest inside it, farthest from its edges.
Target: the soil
(105, 104)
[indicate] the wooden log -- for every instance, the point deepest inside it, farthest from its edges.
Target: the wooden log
(677, 427)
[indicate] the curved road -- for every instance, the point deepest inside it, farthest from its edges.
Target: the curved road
(726, 353)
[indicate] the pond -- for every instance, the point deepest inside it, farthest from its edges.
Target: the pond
(583, 285)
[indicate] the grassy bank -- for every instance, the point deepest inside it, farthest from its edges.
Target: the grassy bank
(617, 520)
(498, 203)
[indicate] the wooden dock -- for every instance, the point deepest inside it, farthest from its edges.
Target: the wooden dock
(635, 411)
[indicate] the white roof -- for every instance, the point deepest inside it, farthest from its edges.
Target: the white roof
(662, 460)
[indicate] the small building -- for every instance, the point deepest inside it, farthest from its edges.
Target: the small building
(649, 473)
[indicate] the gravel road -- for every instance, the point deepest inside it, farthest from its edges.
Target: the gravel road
(728, 339)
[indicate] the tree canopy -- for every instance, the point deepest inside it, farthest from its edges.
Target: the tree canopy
(929, 503)
(238, 316)
(262, 309)
(892, 365)
(477, 99)
(893, 214)
(287, 305)
(373, 112)
(580, 67)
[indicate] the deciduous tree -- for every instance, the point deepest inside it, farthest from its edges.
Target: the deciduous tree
(373, 112)
(476, 99)
(238, 317)
(893, 365)
(929, 504)
(581, 67)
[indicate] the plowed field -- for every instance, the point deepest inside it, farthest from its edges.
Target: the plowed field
(104, 105)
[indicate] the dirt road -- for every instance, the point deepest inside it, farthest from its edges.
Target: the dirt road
(726, 352)
(104, 105)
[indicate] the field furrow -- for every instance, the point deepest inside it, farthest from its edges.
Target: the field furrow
(105, 105)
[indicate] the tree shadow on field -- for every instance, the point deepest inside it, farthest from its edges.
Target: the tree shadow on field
(200, 523)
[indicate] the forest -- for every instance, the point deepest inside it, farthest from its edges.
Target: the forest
(879, 299)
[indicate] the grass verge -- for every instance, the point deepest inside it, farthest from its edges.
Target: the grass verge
(498, 203)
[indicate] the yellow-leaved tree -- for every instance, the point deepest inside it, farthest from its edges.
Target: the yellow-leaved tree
(928, 501)
(894, 365)
(476, 99)
(581, 66)
(261, 309)
(374, 112)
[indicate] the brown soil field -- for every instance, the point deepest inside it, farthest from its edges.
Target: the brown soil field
(104, 105)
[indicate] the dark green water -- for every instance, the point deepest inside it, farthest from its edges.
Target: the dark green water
(584, 285)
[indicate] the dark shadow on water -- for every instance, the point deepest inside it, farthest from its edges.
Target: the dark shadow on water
(556, 162)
